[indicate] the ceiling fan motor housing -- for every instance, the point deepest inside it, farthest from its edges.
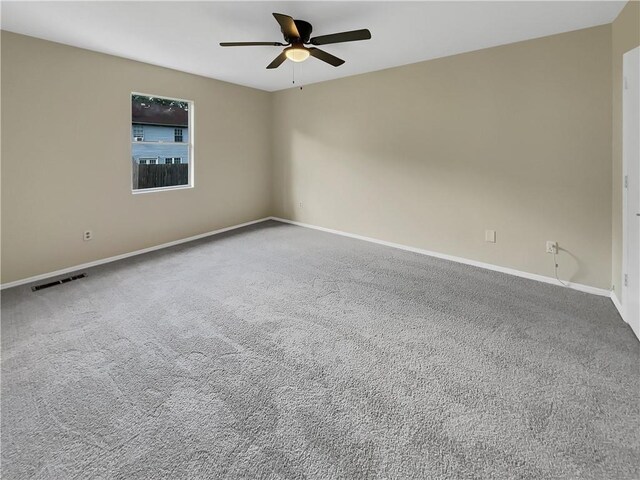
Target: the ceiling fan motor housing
(304, 29)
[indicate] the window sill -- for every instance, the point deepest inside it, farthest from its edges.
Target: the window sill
(160, 189)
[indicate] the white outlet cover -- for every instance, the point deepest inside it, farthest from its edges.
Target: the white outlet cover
(490, 236)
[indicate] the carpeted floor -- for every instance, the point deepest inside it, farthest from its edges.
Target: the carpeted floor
(279, 352)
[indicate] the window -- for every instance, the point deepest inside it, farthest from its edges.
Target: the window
(138, 133)
(162, 134)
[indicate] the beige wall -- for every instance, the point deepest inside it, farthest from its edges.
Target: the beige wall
(515, 138)
(625, 36)
(66, 166)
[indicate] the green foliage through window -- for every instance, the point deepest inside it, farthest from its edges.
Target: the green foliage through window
(160, 101)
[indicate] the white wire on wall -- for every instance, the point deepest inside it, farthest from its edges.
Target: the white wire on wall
(555, 268)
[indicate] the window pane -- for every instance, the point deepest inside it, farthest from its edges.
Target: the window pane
(138, 133)
(160, 142)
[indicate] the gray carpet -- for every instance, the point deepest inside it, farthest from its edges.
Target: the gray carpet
(279, 352)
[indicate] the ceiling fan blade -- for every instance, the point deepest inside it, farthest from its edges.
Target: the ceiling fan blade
(277, 61)
(351, 36)
(288, 25)
(251, 44)
(325, 57)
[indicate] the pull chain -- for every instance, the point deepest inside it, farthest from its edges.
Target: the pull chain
(293, 74)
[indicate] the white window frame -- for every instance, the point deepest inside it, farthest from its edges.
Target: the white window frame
(189, 144)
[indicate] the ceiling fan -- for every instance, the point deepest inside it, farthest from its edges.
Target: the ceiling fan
(297, 34)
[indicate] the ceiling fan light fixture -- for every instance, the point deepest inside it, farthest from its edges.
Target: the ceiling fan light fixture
(297, 53)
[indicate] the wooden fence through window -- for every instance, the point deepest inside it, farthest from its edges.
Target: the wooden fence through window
(160, 175)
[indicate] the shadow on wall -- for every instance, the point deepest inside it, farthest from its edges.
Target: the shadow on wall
(415, 182)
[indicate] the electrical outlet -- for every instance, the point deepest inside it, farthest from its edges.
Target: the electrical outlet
(87, 235)
(300, 204)
(552, 247)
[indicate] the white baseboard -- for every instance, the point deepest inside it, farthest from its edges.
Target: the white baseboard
(510, 271)
(618, 305)
(466, 261)
(102, 261)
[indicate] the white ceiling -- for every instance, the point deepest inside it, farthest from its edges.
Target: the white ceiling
(185, 35)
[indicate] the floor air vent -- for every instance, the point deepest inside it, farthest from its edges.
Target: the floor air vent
(57, 282)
